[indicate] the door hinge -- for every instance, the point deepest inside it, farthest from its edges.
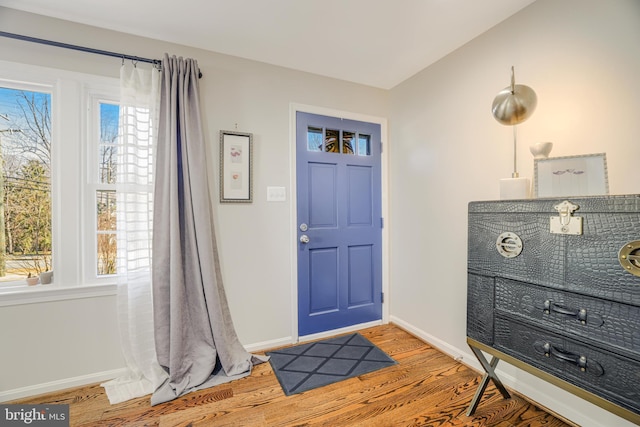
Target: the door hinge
(381, 297)
(381, 222)
(381, 146)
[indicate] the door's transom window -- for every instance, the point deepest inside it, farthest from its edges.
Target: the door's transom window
(338, 141)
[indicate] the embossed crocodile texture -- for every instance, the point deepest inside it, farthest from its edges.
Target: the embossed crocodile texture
(541, 257)
(506, 297)
(480, 293)
(592, 259)
(608, 324)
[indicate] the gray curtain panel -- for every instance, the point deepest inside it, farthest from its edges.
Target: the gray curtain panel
(195, 338)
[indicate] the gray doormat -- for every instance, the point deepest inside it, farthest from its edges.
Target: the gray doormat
(310, 365)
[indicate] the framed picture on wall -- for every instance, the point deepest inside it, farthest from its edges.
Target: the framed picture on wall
(571, 176)
(236, 167)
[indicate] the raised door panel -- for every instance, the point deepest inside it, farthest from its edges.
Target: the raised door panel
(323, 189)
(360, 197)
(323, 281)
(361, 276)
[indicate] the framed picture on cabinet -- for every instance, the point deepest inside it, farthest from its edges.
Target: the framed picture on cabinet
(571, 176)
(236, 167)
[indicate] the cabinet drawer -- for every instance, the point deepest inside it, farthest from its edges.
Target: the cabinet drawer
(541, 260)
(613, 325)
(613, 377)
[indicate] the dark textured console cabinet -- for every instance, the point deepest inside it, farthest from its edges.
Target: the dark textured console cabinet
(554, 288)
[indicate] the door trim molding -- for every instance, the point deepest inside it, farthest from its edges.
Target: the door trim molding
(293, 203)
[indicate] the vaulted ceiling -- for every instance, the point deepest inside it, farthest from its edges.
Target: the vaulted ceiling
(373, 42)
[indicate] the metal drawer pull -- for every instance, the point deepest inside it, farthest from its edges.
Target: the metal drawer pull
(580, 314)
(580, 361)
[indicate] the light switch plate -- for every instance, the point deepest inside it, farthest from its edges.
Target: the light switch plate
(276, 194)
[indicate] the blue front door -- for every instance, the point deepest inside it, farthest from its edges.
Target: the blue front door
(339, 223)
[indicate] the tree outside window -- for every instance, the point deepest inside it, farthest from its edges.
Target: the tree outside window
(25, 184)
(106, 195)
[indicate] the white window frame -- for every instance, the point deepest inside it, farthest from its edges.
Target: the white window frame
(94, 98)
(71, 115)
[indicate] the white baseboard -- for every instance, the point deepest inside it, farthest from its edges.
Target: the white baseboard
(57, 385)
(457, 354)
(267, 345)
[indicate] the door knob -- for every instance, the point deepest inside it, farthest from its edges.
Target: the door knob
(304, 238)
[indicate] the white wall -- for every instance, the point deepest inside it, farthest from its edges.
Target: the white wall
(58, 344)
(582, 59)
(254, 239)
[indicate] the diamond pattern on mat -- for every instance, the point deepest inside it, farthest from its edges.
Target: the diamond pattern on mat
(337, 367)
(306, 366)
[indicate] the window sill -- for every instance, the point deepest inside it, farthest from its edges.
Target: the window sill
(19, 295)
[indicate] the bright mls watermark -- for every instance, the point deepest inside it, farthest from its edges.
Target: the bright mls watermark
(34, 415)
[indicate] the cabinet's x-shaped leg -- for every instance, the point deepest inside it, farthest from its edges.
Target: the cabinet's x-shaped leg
(490, 374)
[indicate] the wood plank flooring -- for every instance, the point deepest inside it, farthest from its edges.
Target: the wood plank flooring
(425, 388)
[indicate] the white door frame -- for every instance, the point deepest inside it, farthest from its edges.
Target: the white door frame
(293, 204)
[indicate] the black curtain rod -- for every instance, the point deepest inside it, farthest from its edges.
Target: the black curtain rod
(80, 48)
(155, 62)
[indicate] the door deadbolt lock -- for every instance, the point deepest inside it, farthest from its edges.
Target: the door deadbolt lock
(304, 227)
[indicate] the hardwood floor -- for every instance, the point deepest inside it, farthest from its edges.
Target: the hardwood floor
(425, 388)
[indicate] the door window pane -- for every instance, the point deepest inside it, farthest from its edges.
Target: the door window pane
(364, 145)
(25, 184)
(314, 139)
(332, 141)
(347, 142)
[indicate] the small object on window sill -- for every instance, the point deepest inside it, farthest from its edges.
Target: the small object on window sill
(31, 281)
(46, 277)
